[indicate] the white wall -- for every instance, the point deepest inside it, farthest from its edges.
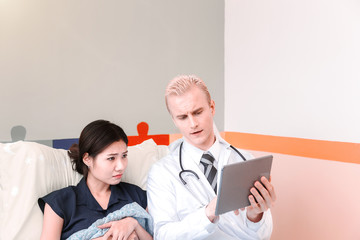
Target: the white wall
(66, 63)
(292, 68)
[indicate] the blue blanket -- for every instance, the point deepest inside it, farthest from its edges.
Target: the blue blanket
(130, 210)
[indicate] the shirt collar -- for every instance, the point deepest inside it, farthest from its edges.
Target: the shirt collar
(215, 149)
(117, 194)
(196, 153)
(85, 197)
(193, 152)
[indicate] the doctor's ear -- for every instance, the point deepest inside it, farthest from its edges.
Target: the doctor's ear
(212, 107)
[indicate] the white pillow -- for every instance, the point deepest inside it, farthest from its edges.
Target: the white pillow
(28, 171)
(140, 158)
(31, 170)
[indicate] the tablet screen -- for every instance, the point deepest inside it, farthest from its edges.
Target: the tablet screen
(236, 180)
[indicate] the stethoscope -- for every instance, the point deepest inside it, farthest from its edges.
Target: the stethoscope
(192, 172)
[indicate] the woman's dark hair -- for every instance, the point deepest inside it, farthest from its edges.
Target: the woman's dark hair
(94, 138)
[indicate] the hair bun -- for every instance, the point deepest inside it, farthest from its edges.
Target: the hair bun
(73, 151)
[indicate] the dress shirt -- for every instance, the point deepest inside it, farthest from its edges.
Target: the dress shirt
(179, 211)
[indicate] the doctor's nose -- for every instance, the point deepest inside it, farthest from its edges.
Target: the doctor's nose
(193, 122)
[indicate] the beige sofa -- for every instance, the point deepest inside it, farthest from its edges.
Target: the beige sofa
(29, 170)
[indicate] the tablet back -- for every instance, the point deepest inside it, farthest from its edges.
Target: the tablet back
(236, 180)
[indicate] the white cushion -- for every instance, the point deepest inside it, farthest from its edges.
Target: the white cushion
(28, 171)
(140, 158)
(31, 170)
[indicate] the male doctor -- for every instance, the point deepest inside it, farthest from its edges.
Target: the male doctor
(183, 206)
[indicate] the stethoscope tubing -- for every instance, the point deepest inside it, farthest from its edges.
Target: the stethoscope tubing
(191, 171)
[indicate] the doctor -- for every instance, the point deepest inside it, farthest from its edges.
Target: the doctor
(182, 186)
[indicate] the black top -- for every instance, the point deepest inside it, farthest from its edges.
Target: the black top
(79, 209)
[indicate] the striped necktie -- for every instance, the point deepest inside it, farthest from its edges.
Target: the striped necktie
(210, 171)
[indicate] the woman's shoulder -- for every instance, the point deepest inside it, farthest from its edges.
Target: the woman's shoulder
(58, 199)
(62, 193)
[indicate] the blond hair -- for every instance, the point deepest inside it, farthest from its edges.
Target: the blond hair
(182, 83)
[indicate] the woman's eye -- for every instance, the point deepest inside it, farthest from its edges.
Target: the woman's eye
(124, 156)
(111, 158)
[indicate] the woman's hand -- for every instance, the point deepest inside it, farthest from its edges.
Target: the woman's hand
(133, 236)
(120, 230)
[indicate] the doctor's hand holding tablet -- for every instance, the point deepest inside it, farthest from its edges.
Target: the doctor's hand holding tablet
(244, 184)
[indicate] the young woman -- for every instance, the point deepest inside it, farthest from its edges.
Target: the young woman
(101, 157)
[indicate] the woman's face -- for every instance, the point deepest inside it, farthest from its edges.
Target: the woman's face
(109, 165)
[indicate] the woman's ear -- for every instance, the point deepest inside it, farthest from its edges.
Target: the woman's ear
(87, 159)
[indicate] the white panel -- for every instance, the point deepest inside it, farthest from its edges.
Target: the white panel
(292, 68)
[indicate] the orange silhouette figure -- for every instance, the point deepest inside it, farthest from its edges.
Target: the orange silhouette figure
(143, 129)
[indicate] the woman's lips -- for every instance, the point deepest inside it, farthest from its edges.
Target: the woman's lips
(118, 176)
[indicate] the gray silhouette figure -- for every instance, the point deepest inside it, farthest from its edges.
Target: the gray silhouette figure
(18, 133)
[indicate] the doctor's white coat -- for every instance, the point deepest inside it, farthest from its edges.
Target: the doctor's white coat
(179, 210)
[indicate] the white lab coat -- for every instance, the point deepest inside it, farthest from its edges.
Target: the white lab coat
(179, 211)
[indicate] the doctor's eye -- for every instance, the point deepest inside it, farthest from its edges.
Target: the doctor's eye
(111, 158)
(182, 117)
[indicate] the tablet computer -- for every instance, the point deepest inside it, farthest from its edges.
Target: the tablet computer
(236, 179)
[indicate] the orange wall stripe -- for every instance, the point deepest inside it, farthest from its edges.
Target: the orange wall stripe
(329, 150)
